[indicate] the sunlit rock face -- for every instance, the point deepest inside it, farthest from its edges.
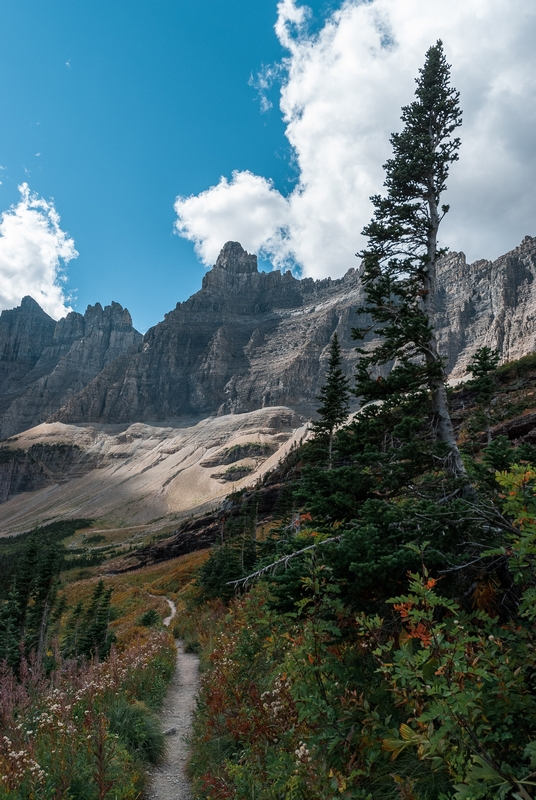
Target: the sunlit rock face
(489, 303)
(249, 340)
(43, 362)
(246, 340)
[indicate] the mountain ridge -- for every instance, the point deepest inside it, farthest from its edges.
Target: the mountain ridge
(43, 362)
(245, 340)
(249, 340)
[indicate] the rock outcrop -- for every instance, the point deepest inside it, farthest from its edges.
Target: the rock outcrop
(39, 466)
(249, 340)
(43, 362)
(487, 303)
(246, 340)
(25, 333)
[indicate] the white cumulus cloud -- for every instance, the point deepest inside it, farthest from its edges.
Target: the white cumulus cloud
(341, 98)
(33, 250)
(258, 212)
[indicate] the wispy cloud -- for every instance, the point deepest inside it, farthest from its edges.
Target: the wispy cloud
(341, 93)
(33, 251)
(263, 81)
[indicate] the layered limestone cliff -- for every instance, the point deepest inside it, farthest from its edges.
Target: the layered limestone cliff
(246, 340)
(41, 465)
(489, 303)
(249, 340)
(43, 362)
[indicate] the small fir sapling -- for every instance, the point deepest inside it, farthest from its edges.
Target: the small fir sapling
(482, 366)
(334, 397)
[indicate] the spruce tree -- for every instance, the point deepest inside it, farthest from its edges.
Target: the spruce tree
(42, 597)
(400, 261)
(482, 367)
(10, 630)
(334, 398)
(73, 632)
(96, 639)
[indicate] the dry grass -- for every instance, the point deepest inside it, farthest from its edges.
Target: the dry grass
(138, 591)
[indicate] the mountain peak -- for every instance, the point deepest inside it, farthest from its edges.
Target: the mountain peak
(233, 258)
(28, 304)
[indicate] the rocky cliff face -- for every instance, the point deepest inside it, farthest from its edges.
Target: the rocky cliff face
(246, 340)
(43, 362)
(39, 466)
(25, 333)
(487, 303)
(249, 340)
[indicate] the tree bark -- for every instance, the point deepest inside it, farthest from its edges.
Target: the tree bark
(440, 409)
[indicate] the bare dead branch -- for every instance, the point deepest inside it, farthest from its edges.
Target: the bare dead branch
(283, 560)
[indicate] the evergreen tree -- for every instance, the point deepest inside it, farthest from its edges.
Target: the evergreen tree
(96, 639)
(482, 365)
(399, 264)
(42, 597)
(10, 630)
(25, 578)
(72, 631)
(334, 397)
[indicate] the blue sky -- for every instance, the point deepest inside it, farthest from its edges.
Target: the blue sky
(130, 103)
(113, 110)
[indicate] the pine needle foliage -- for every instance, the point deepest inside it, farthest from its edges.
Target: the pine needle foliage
(400, 261)
(482, 367)
(334, 398)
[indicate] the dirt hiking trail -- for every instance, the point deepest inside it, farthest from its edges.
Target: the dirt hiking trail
(169, 781)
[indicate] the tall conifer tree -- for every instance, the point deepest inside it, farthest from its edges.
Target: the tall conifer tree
(334, 398)
(400, 260)
(482, 366)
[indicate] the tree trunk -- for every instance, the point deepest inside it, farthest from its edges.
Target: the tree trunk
(438, 390)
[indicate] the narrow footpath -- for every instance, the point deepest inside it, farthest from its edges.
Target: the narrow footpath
(168, 781)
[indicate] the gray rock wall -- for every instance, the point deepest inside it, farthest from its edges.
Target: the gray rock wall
(249, 340)
(487, 303)
(43, 363)
(246, 340)
(39, 466)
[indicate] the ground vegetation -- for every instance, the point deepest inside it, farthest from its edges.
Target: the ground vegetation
(377, 642)
(78, 705)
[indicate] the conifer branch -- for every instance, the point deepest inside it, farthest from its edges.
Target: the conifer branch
(283, 560)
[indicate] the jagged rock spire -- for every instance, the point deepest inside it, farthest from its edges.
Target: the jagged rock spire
(233, 258)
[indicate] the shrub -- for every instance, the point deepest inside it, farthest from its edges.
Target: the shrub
(137, 728)
(149, 618)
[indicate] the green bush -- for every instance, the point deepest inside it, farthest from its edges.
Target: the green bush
(138, 729)
(149, 618)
